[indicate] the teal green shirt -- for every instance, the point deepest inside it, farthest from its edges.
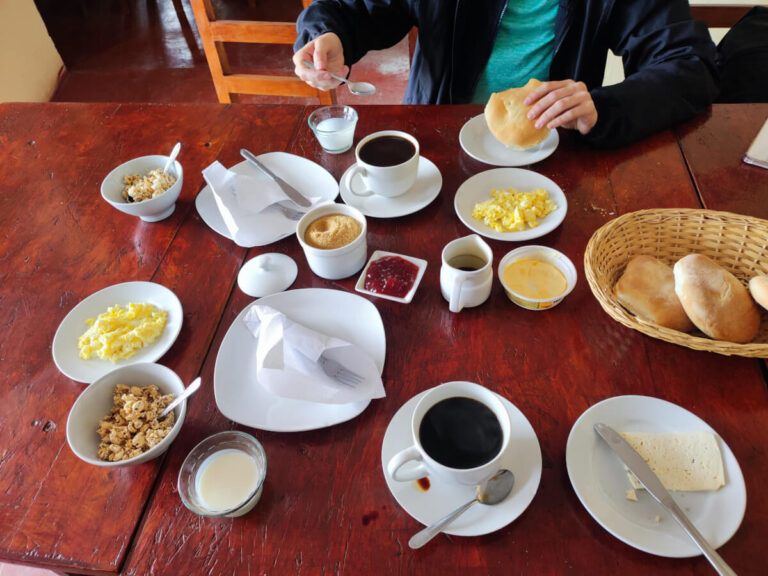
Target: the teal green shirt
(523, 47)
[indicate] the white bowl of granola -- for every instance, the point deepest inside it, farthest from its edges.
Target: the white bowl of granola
(140, 188)
(114, 421)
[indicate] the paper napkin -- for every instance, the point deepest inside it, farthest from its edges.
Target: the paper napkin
(249, 206)
(287, 356)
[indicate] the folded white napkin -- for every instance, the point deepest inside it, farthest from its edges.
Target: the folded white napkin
(287, 356)
(248, 206)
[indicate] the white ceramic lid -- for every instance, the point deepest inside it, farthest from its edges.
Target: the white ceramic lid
(267, 274)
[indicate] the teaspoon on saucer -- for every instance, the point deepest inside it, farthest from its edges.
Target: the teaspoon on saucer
(490, 492)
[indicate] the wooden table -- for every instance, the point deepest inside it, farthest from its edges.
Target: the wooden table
(326, 507)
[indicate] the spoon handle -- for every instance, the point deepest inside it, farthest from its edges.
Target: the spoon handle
(420, 538)
(172, 157)
(188, 391)
(311, 66)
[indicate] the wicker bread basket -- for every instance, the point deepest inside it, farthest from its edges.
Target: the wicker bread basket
(738, 243)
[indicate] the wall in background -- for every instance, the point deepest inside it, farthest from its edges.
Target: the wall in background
(29, 62)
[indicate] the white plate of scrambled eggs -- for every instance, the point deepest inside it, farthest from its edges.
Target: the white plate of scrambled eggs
(119, 325)
(510, 204)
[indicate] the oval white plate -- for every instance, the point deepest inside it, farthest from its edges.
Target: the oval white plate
(306, 176)
(523, 458)
(238, 393)
(478, 189)
(65, 352)
(428, 184)
(599, 479)
(477, 141)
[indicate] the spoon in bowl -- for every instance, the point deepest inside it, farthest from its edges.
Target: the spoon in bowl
(172, 157)
(490, 492)
(356, 88)
(188, 391)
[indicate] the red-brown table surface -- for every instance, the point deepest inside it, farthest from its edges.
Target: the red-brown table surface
(326, 507)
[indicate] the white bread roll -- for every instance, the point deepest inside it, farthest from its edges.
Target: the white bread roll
(647, 289)
(758, 287)
(715, 301)
(507, 118)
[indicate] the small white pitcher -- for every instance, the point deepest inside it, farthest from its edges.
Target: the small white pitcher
(466, 275)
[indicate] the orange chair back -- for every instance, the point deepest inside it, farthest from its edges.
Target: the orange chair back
(216, 33)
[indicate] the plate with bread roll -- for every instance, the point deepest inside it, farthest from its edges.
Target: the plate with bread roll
(696, 278)
(504, 135)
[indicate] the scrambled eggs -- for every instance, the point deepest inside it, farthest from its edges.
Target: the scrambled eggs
(511, 211)
(120, 332)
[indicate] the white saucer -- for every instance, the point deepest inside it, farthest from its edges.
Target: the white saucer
(241, 398)
(66, 355)
(306, 176)
(478, 189)
(477, 141)
(428, 184)
(600, 480)
(523, 458)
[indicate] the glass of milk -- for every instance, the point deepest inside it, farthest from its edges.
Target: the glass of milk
(334, 127)
(223, 475)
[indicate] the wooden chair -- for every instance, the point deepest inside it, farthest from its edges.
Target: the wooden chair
(719, 15)
(216, 33)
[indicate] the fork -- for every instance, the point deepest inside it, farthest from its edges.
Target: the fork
(343, 375)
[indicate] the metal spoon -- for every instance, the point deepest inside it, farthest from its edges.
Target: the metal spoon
(490, 492)
(356, 88)
(188, 391)
(172, 157)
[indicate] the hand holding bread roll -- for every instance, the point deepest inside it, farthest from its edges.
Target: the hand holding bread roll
(507, 118)
(647, 289)
(715, 301)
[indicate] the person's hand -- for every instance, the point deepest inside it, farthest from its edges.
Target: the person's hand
(327, 55)
(562, 103)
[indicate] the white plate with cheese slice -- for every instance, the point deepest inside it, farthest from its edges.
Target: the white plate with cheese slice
(65, 350)
(600, 480)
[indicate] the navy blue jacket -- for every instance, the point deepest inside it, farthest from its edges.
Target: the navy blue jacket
(669, 59)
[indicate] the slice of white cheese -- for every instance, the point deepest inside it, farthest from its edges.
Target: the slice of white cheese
(689, 461)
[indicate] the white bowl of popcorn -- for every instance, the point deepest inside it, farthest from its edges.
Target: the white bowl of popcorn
(132, 434)
(140, 188)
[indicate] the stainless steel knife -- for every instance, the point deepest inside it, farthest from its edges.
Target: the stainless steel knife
(638, 466)
(289, 190)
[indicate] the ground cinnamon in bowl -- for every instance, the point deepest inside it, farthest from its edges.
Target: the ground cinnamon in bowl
(332, 231)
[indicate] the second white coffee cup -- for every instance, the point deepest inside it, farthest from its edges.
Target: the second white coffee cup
(460, 431)
(387, 163)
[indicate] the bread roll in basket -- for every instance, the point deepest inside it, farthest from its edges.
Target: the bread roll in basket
(736, 242)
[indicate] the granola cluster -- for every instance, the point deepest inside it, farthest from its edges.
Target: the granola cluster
(151, 185)
(132, 427)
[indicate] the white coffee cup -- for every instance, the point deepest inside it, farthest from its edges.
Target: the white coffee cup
(466, 275)
(387, 163)
(398, 467)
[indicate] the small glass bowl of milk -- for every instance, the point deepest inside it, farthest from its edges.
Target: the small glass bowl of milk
(334, 127)
(223, 475)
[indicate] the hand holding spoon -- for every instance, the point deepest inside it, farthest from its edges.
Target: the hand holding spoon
(188, 391)
(490, 492)
(356, 88)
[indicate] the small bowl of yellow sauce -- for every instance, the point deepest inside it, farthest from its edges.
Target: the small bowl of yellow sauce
(536, 277)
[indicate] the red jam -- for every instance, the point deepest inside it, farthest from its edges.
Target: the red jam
(391, 275)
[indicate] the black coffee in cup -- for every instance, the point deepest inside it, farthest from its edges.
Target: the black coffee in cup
(467, 262)
(461, 433)
(387, 151)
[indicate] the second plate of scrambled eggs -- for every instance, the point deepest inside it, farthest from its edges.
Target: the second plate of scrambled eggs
(510, 204)
(119, 325)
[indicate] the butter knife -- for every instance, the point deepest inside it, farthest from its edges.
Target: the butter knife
(289, 190)
(655, 488)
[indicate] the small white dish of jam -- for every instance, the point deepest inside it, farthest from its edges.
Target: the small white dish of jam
(391, 276)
